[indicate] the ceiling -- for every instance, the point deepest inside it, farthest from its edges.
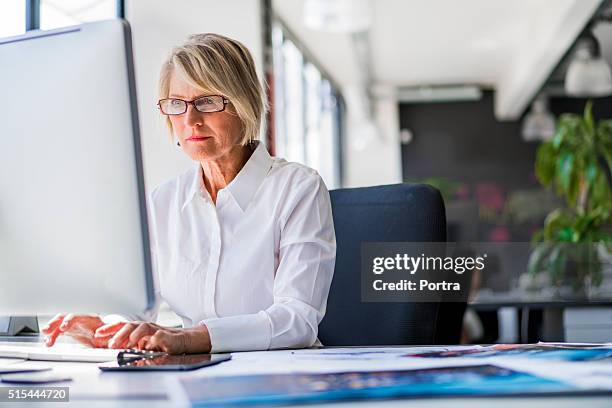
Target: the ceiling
(511, 47)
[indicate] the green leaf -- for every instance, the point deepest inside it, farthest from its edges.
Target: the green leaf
(569, 131)
(537, 236)
(564, 170)
(583, 223)
(588, 118)
(566, 234)
(545, 163)
(601, 216)
(559, 135)
(591, 170)
(601, 194)
(603, 145)
(604, 136)
(554, 222)
(573, 190)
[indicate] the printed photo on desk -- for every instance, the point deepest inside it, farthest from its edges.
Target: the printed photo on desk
(482, 380)
(540, 351)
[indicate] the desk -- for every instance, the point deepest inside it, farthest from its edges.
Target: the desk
(91, 388)
(554, 322)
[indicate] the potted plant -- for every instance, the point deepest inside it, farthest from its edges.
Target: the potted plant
(576, 163)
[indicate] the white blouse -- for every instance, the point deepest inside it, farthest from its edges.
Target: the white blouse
(256, 267)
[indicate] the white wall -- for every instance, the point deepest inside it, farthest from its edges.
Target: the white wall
(372, 150)
(157, 26)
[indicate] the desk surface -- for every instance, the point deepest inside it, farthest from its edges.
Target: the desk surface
(92, 388)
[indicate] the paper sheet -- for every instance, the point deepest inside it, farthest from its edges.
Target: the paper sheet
(373, 353)
(60, 352)
(4, 361)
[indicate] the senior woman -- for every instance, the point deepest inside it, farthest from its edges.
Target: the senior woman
(243, 243)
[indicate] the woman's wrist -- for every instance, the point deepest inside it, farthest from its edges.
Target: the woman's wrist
(198, 340)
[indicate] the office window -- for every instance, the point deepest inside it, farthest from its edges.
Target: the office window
(61, 13)
(12, 17)
(291, 142)
(307, 110)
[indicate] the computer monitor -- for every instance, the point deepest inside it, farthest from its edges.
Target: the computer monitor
(73, 219)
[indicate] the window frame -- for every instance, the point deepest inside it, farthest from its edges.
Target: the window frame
(340, 114)
(33, 13)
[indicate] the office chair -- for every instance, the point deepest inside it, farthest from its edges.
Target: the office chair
(390, 213)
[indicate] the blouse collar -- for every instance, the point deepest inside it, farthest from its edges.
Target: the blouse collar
(243, 187)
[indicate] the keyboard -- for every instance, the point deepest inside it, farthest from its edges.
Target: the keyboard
(32, 338)
(59, 352)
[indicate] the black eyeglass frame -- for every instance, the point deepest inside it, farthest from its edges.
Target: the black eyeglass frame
(192, 102)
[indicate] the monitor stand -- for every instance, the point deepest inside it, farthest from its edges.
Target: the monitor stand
(17, 325)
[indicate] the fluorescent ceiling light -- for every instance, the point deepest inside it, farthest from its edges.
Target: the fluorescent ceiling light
(439, 93)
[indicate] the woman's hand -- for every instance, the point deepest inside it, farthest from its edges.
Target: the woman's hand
(82, 328)
(151, 336)
(91, 331)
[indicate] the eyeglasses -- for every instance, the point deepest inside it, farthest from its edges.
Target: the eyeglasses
(204, 104)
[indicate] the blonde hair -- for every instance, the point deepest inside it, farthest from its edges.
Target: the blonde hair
(221, 66)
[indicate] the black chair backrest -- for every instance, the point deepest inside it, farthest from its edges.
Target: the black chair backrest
(391, 213)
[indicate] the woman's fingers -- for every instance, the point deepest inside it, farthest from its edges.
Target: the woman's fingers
(103, 334)
(108, 329)
(156, 342)
(144, 329)
(122, 336)
(79, 327)
(50, 338)
(53, 324)
(68, 322)
(52, 329)
(193, 340)
(90, 330)
(169, 342)
(142, 343)
(85, 324)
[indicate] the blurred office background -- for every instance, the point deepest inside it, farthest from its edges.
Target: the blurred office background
(457, 94)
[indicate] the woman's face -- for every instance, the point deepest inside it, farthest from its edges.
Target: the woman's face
(203, 136)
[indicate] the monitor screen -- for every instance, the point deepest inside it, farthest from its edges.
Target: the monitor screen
(73, 219)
